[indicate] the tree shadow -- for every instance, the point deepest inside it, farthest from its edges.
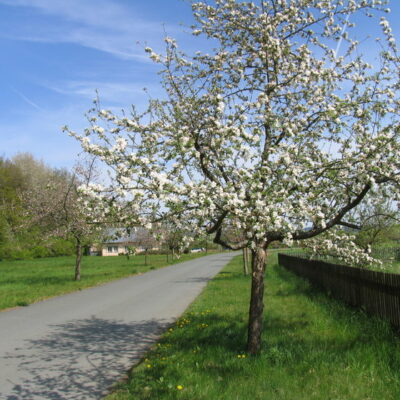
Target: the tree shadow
(81, 359)
(298, 284)
(195, 279)
(40, 280)
(232, 276)
(370, 328)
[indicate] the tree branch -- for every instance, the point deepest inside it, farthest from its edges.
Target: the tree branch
(350, 225)
(231, 246)
(336, 220)
(217, 224)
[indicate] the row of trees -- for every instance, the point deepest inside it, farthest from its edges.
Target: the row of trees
(43, 214)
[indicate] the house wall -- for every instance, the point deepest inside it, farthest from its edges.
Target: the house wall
(115, 249)
(112, 249)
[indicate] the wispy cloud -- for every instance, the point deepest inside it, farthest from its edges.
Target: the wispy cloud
(119, 94)
(99, 24)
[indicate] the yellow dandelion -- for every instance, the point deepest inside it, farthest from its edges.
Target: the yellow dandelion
(179, 387)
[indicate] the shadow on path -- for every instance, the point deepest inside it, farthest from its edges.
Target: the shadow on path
(82, 358)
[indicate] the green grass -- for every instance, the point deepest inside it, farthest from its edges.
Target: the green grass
(314, 348)
(388, 265)
(24, 282)
(392, 267)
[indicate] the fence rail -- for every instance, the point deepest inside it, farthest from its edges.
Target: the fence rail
(376, 292)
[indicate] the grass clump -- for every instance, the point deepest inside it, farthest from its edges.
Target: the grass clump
(314, 348)
(24, 282)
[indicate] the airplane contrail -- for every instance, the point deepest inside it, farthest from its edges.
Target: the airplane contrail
(26, 99)
(341, 35)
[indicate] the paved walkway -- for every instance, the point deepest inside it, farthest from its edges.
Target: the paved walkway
(76, 346)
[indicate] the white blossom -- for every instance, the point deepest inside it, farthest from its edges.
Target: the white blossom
(271, 132)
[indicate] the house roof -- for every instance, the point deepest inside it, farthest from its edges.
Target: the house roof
(120, 235)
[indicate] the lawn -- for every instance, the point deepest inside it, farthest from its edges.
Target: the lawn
(24, 282)
(315, 348)
(390, 266)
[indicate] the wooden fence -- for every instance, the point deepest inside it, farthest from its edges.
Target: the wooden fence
(378, 293)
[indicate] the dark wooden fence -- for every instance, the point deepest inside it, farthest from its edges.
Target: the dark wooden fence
(378, 293)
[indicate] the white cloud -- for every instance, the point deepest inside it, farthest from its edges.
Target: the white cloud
(115, 95)
(98, 24)
(95, 13)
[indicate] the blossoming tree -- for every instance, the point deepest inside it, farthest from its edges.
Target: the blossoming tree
(271, 132)
(57, 207)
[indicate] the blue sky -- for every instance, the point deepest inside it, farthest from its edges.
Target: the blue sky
(56, 53)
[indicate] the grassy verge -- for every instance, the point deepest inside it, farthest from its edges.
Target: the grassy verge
(27, 281)
(392, 267)
(314, 348)
(388, 265)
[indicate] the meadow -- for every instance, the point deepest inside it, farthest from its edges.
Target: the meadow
(315, 348)
(23, 282)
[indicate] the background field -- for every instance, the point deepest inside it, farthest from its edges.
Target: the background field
(24, 282)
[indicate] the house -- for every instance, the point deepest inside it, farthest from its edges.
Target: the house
(118, 242)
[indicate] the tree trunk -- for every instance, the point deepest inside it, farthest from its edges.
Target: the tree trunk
(245, 262)
(256, 301)
(78, 260)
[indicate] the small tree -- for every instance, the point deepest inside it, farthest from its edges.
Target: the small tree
(12, 183)
(172, 240)
(376, 223)
(60, 211)
(18, 238)
(145, 240)
(272, 129)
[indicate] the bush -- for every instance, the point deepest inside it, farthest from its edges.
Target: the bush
(13, 252)
(39, 252)
(62, 247)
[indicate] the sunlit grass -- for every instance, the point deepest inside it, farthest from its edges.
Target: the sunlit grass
(24, 282)
(314, 348)
(391, 266)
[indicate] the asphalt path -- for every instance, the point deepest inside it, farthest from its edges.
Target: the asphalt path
(77, 345)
